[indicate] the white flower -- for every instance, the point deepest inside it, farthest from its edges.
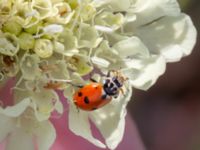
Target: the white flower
(87, 36)
(43, 48)
(20, 127)
(8, 44)
(64, 13)
(159, 34)
(70, 43)
(29, 66)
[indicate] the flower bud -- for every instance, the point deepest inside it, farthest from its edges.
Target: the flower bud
(12, 27)
(33, 29)
(26, 41)
(73, 3)
(43, 48)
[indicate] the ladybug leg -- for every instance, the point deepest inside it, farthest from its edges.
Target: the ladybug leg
(76, 107)
(108, 74)
(79, 86)
(78, 110)
(93, 80)
(104, 96)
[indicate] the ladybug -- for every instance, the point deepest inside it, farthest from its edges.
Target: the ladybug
(96, 95)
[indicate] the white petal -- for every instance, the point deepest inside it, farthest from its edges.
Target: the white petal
(120, 5)
(20, 140)
(77, 79)
(100, 62)
(110, 120)
(130, 17)
(16, 110)
(53, 28)
(117, 5)
(40, 116)
(98, 3)
(69, 93)
(6, 126)
(147, 73)
(79, 124)
(45, 135)
(30, 14)
(130, 47)
(88, 36)
(43, 103)
(149, 10)
(103, 28)
(173, 37)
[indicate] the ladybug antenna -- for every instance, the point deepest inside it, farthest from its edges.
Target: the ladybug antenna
(67, 81)
(61, 80)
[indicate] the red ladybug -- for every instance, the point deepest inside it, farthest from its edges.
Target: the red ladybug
(95, 95)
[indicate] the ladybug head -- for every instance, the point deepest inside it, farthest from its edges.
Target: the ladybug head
(113, 83)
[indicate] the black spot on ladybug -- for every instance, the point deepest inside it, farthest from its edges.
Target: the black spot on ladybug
(80, 94)
(86, 100)
(96, 87)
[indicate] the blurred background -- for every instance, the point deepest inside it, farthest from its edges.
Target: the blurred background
(168, 115)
